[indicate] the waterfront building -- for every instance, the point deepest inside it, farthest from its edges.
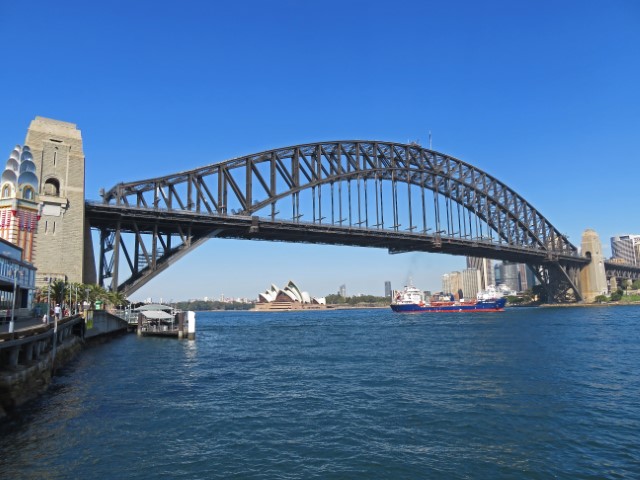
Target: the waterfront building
(63, 234)
(290, 297)
(19, 214)
(17, 277)
(19, 206)
(626, 248)
(387, 289)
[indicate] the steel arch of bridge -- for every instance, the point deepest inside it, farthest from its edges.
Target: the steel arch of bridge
(397, 196)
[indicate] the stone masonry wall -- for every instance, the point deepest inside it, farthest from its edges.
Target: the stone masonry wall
(59, 159)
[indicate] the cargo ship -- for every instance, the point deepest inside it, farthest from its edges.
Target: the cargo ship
(411, 299)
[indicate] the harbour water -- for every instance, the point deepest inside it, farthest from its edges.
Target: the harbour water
(527, 393)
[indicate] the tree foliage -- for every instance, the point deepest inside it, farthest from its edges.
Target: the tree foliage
(335, 299)
(616, 296)
(63, 293)
(202, 305)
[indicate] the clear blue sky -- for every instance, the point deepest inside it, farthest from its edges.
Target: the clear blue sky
(542, 94)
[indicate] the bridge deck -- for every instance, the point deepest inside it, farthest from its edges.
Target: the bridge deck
(141, 220)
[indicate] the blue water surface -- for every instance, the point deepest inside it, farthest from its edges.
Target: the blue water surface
(347, 394)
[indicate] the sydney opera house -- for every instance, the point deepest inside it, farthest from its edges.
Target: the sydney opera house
(288, 298)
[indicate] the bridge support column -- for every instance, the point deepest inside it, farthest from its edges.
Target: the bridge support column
(560, 282)
(593, 280)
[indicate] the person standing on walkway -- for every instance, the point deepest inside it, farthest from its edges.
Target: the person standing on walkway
(56, 311)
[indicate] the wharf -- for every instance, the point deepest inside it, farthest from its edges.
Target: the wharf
(161, 321)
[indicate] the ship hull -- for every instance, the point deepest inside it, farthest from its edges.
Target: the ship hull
(483, 306)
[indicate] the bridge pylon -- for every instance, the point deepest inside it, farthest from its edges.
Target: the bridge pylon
(65, 250)
(593, 279)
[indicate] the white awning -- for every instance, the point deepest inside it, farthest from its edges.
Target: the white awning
(157, 315)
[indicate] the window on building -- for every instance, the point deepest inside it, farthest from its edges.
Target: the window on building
(6, 191)
(27, 193)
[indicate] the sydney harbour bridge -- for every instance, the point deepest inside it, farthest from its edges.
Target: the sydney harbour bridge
(400, 197)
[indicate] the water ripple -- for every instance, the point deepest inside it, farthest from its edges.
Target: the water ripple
(531, 393)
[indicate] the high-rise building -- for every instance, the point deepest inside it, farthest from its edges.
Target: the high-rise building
(62, 234)
(471, 280)
(485, 267)
(516, 276)
(343, 291)
(497, 273)
(387, 289)
(526, 276)
(451, 283)
(626, 248)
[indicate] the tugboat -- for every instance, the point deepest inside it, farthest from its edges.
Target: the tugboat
(411, 299)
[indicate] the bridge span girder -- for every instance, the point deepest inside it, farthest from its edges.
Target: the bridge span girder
(366, 193)
(161, 238)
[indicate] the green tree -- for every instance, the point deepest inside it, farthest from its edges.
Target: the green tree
(58, 291)
(116, 299)
(95, 292)
(540, 292)
(601, 299)
(616, 296)
(335, 299)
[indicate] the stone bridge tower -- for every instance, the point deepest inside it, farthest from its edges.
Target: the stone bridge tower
(65, 250)
(593, 280)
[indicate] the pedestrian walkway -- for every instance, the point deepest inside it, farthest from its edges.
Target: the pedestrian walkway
(21, 323)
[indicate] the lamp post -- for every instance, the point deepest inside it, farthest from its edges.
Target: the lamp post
(48, 299)
(13, 309)
(55, 325)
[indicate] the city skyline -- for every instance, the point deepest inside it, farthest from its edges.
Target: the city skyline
(526, 95)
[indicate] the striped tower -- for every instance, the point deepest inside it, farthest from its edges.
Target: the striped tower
(20, 209)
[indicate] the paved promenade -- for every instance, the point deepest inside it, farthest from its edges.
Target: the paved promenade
(21, 323)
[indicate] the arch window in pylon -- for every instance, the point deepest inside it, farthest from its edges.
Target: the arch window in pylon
(52, 187)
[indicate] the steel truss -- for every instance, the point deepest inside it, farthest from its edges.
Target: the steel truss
(621, 271)
(397, 196)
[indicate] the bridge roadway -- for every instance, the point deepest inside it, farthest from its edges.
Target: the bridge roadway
(201, 226)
